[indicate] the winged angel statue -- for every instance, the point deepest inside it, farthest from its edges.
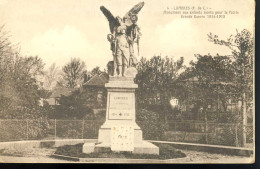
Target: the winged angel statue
(125, 34)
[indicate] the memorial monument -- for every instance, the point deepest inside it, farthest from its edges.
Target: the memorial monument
(120, 131)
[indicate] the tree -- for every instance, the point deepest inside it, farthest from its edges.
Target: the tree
(73, 73)
(51, 76)
(93, 72)
(205, 82)
(242, 47)
(73, 106)
(208, 77)
(19, 88)
(154, 79)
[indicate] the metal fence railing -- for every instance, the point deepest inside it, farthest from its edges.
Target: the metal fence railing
(11, 130)
(230, 134)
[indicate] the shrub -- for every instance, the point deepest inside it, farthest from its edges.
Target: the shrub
(69, 129)
(151, 125)
(166, 152)
(23, 129)
(223, 136)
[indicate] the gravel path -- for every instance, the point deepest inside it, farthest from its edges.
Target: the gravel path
(38, 155)
(204, 157)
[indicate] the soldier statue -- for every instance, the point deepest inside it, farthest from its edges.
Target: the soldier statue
(125, 33)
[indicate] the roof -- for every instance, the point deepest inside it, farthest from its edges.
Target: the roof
(97, 80)
(57, 92)
(196, 80)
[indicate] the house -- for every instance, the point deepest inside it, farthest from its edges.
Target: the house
(217, 107)
(96, 92)
(93, 90)
(57, 93)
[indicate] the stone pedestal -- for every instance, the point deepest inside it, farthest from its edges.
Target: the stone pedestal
(120, 131)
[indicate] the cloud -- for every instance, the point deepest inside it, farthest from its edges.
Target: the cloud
(3, 2)
(60, 45)
(178, 34)
(177, 38)
(79, 30)
(186, 37)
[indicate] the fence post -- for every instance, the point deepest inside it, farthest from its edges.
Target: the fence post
(83, 123)
(95, 128)
(55, 132)
(27, 129)
(206, 132)
(175, 131)
(236, 141)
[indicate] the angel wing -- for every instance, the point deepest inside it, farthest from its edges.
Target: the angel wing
(111, 19)
(134, 11)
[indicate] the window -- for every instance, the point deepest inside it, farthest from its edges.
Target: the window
(57, 101)
(99, 96)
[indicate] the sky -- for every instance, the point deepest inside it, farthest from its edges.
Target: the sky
(57, 30)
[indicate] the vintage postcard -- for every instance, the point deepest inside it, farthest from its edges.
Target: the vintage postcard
(111, 81)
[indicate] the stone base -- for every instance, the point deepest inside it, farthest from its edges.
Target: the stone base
(144, 147)
(104, 136)
(140, 146)
(88, 148)
(120, 131)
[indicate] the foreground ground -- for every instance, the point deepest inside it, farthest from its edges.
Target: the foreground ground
(43, 156)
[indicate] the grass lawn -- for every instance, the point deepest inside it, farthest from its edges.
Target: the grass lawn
(165, 152)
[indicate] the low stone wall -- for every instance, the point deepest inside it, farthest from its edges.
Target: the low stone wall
(21, 145)
(229, 150)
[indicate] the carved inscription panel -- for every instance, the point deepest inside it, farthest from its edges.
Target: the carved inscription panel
(121, 106)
